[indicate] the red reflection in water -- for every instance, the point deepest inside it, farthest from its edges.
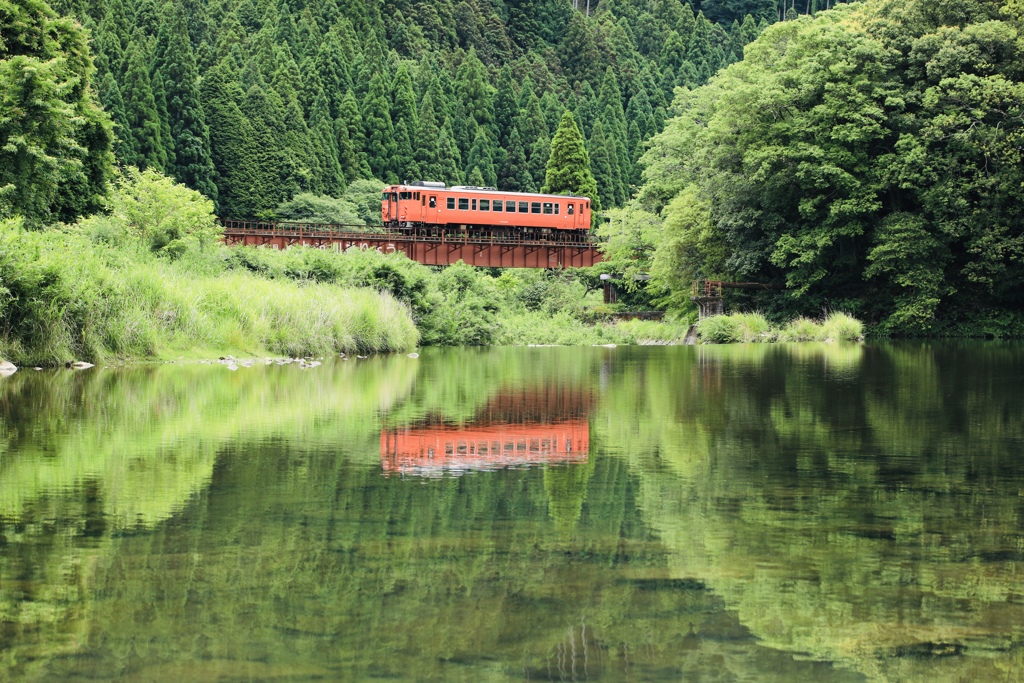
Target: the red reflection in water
(437, 448)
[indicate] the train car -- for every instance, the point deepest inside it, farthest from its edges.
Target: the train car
(435, 449)
(434, 208)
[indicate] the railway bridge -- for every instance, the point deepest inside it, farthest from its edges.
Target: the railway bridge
(432, 248)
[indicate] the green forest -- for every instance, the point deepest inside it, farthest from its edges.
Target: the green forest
(862, 158)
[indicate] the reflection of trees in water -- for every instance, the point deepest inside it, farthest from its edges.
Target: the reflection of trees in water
(778, 493)
(867, 517)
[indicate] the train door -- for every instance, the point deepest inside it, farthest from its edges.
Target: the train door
(432, 211)
(391, 205)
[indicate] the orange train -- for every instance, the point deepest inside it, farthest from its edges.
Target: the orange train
(431, 208)
(436, 449)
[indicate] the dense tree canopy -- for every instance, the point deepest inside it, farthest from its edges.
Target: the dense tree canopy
(255, 102)
(55, 140)
(867, 159)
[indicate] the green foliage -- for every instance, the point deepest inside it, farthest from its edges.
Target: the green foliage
(890, 187)
(754, 327)
(151, 208)
(318, 209)
(568, 169)
(55, 140)
(256, 102)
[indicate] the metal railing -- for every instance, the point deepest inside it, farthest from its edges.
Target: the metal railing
(342, 232)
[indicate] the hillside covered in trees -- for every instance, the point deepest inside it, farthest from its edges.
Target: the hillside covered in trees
(866, 159)
(254, 101)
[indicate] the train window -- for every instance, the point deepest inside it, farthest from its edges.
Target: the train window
(405, 195)
(534, 207)
(524, 207)
(463, 204)
(485, 204)
(384, 196)
(556, 208)
(474, 205)
(451, 202)
(548, 207)
(433, 202)
(497, 205)
(569, 210)
(394, 196)
(510, 207)
(415, 195)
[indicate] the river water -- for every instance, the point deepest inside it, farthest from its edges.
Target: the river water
(741, 513)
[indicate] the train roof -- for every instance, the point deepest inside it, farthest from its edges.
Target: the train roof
(440, 187)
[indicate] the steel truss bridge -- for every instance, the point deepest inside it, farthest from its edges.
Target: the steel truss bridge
(428, 246)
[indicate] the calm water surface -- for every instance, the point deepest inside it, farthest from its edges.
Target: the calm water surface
(744, 513)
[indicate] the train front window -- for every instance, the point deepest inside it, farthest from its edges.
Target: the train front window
(385, 197)
(510, 207)
(485, 204)
(451, 202)
(548, 207)
(534, 207)
(463, 204)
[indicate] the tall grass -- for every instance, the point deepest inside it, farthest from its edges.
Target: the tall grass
(754, 327)
(64, 298)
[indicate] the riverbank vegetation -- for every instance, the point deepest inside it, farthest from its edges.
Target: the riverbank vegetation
(754, 327)
(150, 278)
(890, 188)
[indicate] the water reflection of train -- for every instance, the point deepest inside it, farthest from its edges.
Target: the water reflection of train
(439, 448)
(516, 428)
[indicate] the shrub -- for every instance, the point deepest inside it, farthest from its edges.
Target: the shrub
(840, 326)
(802, 330)
(720, 329)
(306, 206)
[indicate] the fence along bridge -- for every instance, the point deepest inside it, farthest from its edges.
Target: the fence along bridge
(429, 247)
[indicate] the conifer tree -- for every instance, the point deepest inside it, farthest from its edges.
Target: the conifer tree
(332, 66)
(348, 156)
(578, 52)
(143, 118)
(506, 106)
(448, 159)
(160, 97)
(403, 100)
(514, 175)
(530, 121)
(474, 90)
(353, 120)
(232, 147)
(266, 115)
(403, 164)
(481, 156)
(332, 178)
(311, 86)
(476, 178)
(191, 164)
(568, 170)
(301, 171)
(427, 141)
(604, 167)
(538, 162)
(113, 104)
(380, 133)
